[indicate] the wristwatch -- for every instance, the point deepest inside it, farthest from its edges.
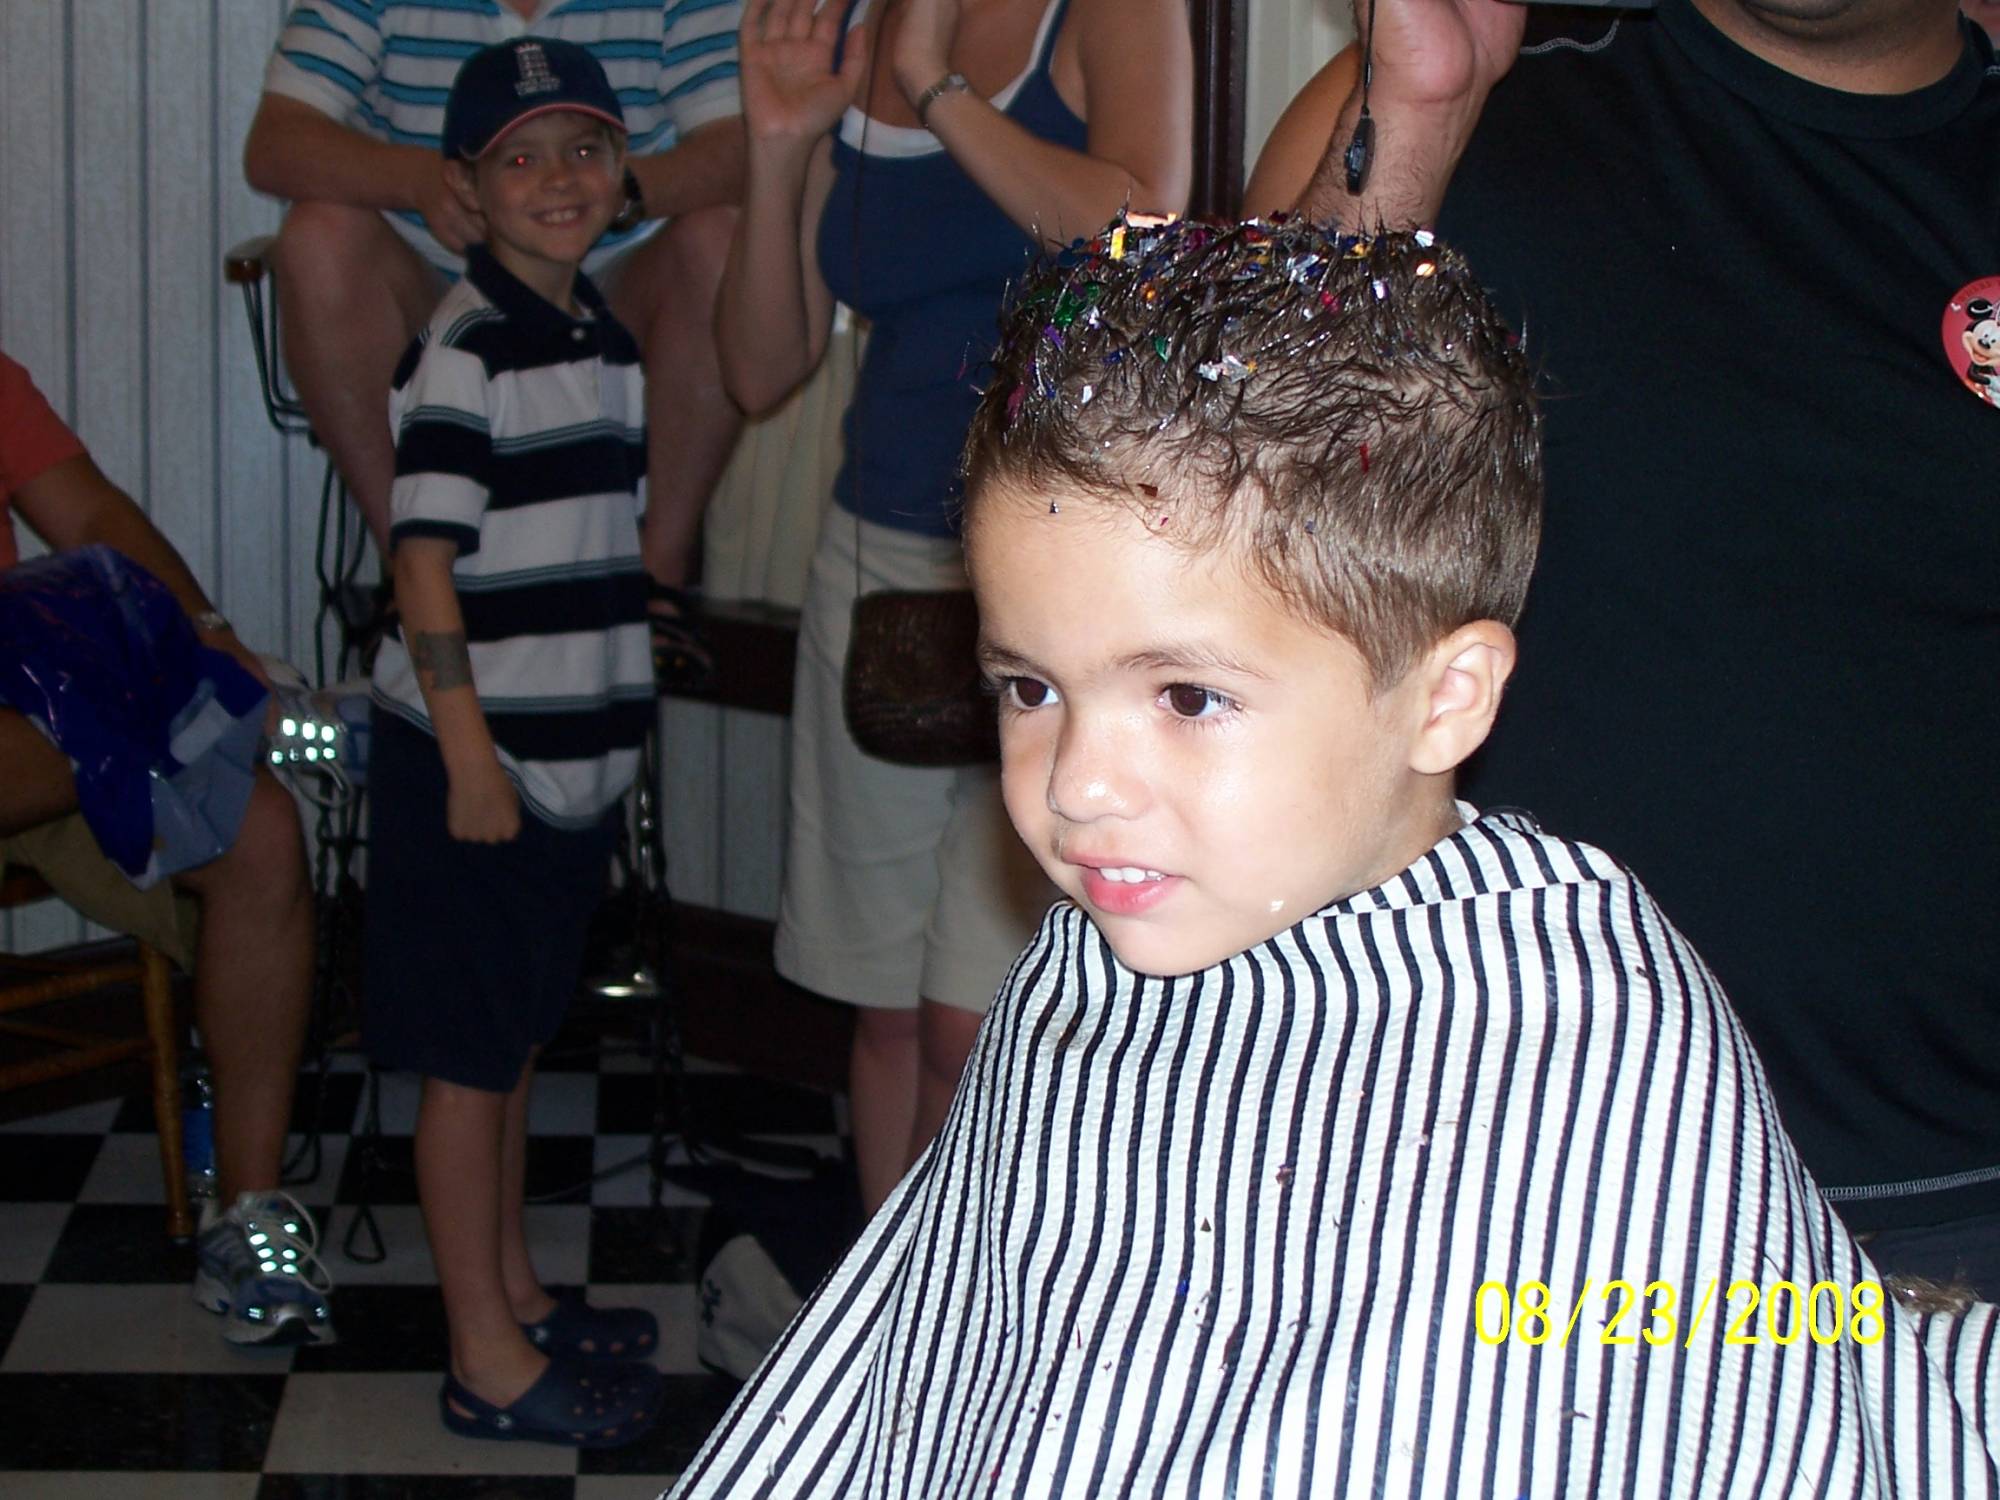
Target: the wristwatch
(633, 214)
(211, 620)
(951, 83)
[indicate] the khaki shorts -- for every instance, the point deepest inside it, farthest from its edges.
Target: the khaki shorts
(900, 882)
(65, 854)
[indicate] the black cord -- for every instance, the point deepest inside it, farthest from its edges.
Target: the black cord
(1361, 150)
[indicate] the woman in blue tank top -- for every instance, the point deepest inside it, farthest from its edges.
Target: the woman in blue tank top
(907, 158)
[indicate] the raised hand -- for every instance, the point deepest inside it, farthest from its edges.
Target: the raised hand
(1441, 55)
(791, 89)
(1435, 61)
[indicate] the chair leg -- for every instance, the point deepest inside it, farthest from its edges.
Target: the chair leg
(157, 988)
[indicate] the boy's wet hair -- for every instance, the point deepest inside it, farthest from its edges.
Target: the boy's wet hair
(1350, 407)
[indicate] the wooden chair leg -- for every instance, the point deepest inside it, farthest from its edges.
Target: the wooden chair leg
(157, 989)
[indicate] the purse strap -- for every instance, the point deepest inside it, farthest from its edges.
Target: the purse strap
(857, 395)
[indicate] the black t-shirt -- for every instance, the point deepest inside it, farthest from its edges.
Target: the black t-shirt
(1761, 658)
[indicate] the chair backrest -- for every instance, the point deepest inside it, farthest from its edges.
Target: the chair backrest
(249, 265)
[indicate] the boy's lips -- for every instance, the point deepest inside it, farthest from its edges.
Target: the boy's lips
(1124, 890)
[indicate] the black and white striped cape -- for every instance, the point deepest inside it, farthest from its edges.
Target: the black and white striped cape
(1224, 1234)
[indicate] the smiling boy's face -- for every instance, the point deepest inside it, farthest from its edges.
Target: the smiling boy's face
(1193, 763)
(548, 188)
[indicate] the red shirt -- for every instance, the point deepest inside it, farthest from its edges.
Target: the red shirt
(33, 440)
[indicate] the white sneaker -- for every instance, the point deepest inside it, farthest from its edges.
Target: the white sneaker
(256, 1264)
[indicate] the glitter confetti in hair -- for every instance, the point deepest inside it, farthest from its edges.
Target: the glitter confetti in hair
(1348, 403)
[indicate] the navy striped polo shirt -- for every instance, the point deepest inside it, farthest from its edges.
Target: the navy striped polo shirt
(520, 434)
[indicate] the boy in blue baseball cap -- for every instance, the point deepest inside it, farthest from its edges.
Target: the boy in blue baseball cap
(534, 143)
(511, 708)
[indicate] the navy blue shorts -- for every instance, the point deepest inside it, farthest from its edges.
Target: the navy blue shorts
(471, 952)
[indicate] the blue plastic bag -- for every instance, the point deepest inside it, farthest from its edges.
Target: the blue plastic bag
(162, 730)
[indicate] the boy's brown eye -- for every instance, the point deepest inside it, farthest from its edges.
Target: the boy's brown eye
(1192, 702)
(1030, 692)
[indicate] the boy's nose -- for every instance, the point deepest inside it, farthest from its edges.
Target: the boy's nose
(1095, 773)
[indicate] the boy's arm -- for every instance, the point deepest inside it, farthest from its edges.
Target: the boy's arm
(444, 460)
(482, 806)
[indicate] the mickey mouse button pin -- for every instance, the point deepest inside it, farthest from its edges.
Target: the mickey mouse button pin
(1972, 337)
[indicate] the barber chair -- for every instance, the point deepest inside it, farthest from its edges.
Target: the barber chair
(346, 612)
(30, 981)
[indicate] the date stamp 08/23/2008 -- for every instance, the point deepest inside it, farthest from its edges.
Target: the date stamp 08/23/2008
(1654, 1313)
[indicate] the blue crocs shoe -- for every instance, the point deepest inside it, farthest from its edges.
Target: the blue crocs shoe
(573, 1403)
(255, 1264)
(619, 1335)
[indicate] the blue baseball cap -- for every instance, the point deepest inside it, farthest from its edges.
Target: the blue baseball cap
(500, 86)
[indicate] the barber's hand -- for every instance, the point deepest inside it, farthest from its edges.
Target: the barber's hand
(482, 806)
(1441, 55)
(923, 45)
(450, 222)
(791, 89)
(1435, 62)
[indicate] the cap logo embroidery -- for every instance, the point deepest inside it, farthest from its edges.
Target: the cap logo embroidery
(1972, 337)
(536, 75)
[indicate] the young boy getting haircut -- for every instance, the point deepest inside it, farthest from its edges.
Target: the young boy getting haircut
(1332, 1138)
(510, 715)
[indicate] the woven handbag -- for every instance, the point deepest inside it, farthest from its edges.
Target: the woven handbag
(911, 690)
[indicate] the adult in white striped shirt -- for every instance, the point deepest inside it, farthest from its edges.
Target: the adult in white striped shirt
(1333, 1138)
(348, 130)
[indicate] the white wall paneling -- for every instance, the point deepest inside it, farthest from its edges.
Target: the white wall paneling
(691, 756)
(265, 535)
(750, 811)
(35, 319)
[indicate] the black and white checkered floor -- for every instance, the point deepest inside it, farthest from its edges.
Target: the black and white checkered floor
(113, 1383)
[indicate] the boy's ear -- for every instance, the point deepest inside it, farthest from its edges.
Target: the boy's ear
(1463, 676)
(458, 176)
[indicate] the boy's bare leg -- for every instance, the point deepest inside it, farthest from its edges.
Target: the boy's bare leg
(945, 1035)
(351, 296)
(526, 1295)
(459, 1185)
(882, 1098)
(253, 985)
(664, 292)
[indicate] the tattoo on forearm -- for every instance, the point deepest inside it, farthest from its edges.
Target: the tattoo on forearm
(442, 654)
